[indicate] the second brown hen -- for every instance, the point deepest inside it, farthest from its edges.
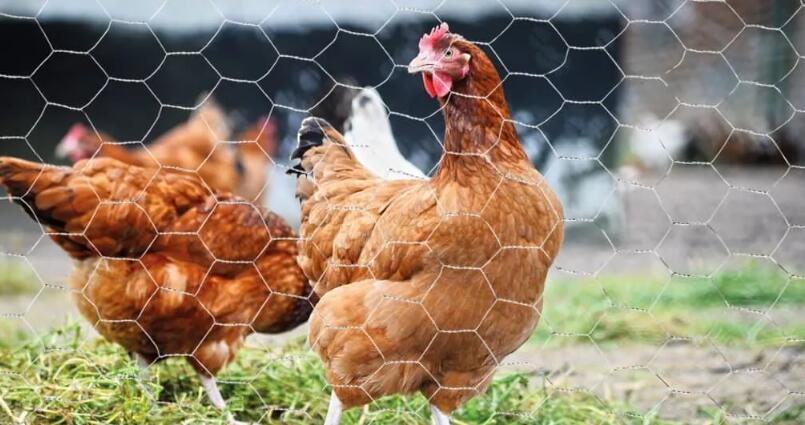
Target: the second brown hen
(195, 145)
(163, 267)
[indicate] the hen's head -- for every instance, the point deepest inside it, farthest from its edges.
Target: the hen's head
(79, 143)
(443, 60)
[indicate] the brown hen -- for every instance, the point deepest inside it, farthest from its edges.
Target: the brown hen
(426, 285)
(162, 267)
(192, 146)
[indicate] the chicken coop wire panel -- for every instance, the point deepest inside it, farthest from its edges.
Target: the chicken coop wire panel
(669, 128)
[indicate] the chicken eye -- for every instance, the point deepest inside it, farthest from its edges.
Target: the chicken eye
(448, 53)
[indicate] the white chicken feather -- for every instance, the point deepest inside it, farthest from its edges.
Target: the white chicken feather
(368, 132)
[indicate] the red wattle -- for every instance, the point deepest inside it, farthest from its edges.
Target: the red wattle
(428, 80)
(443, 83)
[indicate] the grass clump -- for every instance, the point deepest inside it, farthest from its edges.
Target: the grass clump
(732, 307)
(63, 379)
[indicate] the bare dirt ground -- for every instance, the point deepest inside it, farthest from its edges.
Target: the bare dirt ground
(678, 380)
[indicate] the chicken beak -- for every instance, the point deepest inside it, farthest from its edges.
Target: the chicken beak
(420, 64)
(66, 146)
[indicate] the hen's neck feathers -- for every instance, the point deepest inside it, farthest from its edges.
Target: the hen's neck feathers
(477, 120)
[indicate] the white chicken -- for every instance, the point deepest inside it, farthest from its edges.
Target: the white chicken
(368, 132)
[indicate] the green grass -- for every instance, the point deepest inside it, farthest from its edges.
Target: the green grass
(61, 379)
(726, 308)
(17, 277)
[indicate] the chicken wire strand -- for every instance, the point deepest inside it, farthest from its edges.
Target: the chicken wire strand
(622, 183)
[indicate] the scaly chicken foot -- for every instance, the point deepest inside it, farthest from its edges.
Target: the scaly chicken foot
(211, 388)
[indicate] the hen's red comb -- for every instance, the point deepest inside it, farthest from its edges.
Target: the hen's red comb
(77, 131)
(428, 41)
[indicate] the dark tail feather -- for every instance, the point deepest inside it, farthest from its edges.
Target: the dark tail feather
(311, 134)
(333, 111)
(296, 170)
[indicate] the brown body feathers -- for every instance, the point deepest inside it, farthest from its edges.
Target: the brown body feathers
(162, 266)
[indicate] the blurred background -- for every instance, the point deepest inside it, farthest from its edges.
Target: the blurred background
(670, 128)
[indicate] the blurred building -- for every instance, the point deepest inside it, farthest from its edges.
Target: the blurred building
(732, 65)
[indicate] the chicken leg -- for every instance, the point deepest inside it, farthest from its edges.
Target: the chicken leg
(333, 411)
(143, 364)
(144, 373)
(437, 417)
(211, 388)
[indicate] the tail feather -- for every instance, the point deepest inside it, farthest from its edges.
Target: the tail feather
(68, 201)
(296, 169)
(38, 189)
(312, 133)
(17, 175)
(31, 185)
(325, 160)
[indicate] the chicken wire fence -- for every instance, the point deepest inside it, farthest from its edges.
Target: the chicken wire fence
(722, 79)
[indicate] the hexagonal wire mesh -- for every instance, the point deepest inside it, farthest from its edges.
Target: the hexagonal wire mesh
(669, 129)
